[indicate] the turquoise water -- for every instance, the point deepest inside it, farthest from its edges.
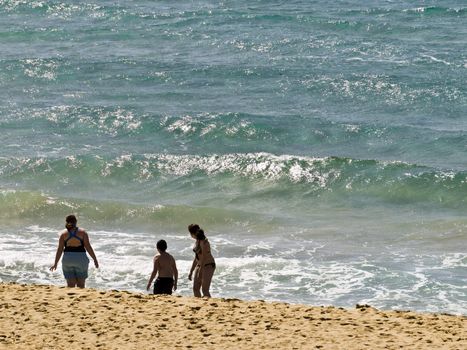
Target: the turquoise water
(322, 146)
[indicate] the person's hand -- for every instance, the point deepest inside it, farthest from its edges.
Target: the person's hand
(53, 268)
(175, 286)
(96, 264)
(199, 273)
(189, 276)
(148, 286)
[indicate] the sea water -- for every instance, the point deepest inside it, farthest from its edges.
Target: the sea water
(321, 145)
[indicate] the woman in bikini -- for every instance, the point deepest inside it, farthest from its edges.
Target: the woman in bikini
(203, 264)
(73, 244)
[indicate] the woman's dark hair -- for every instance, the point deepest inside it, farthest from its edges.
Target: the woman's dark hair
(196, 231)
(200, 235)
(71, 219)
(193, 228)
(162, 245)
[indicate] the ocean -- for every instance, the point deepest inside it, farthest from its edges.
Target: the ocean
(321, 145)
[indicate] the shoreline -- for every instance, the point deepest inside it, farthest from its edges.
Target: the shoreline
(48, 316)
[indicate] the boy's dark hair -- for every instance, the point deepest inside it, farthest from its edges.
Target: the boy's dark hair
(162, 245)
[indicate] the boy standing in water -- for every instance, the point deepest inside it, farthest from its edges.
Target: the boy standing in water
(165, 269)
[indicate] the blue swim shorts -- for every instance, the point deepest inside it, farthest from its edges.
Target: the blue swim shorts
(75, 265)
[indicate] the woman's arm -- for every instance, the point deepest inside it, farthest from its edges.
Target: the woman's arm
(87, 246)
(58, 255)
(205, 251)
(207, 247)
(202, 256)
(193, 266)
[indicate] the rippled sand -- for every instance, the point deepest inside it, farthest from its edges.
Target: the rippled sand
(50, 317)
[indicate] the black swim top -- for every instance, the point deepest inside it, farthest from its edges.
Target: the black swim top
(72, 234)
(197, 249)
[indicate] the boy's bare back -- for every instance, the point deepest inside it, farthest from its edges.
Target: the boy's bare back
(165, 265)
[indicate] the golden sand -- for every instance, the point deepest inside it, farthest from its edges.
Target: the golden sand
(50, 317)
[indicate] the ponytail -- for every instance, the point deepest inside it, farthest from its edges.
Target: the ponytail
(200, 235)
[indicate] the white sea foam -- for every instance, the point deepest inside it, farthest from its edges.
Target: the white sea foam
(298, 271)
(360, 207)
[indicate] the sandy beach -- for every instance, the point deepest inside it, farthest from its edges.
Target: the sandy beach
(51, 317)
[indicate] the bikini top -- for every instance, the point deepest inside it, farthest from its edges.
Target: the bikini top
(197, 248)
(73, 234)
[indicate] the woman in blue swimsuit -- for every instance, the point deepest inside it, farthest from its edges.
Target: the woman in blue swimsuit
(73, 244)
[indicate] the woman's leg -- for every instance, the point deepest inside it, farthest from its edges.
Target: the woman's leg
(197, 283)
(208, 272)
(81, 269)
(71, 282)
(80, 282)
